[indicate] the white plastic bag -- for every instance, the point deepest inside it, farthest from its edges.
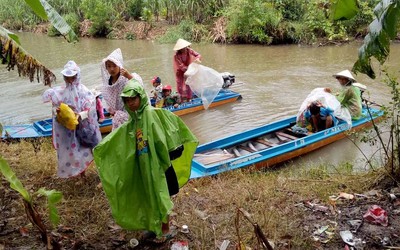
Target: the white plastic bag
(204, 82)
(328, 100)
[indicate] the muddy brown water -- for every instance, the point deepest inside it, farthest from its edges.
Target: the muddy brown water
(273, 80)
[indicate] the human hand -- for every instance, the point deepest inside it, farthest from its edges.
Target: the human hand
(176, 105)
(125, 73)
(101, 120)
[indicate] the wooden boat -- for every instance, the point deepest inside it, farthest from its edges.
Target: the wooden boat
(43, 128)
(268, 145)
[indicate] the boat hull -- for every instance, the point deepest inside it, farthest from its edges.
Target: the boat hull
(273, 154)
(43, 128)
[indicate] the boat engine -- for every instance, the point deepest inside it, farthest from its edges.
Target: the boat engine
(228, 78)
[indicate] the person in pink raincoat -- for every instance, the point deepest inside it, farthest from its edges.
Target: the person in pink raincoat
(182, 58)
(74, 156)
(115, 78)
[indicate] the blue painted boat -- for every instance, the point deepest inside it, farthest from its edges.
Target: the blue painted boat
(268, 145)
(43, 128)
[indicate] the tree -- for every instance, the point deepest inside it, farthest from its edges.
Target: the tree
(380, 32)
(13, 54)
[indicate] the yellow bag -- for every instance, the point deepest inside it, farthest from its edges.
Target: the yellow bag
(67, 117)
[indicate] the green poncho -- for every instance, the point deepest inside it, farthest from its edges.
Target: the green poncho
(350, 97)
(132, 161)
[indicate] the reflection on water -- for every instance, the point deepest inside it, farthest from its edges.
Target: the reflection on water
(273, 80)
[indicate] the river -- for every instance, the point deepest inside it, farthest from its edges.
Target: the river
(273, 80)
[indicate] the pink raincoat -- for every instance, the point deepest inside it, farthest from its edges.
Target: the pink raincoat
(182, 59)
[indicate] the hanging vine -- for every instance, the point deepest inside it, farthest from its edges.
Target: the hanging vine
(14, 55)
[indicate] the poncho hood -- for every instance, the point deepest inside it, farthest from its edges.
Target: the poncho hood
(132, 89)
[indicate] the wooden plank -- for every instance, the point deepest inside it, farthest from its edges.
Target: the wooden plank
(210, 159)
(246, 148)
(266, 142)
(291, 137)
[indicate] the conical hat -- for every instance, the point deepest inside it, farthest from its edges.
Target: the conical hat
(345, 73)
(180, 44)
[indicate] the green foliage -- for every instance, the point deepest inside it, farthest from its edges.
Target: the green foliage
(43, 9)
(344, 9)
(100, 13)
(53, 197)
(187, 30)
(135, 8)
(291, 10)
(72, 19)
(377, 42)
(15, 183)
(250, 21)
(359, 23)
(16, 14)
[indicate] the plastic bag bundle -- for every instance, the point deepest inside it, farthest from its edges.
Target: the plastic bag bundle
(327, 100)
(205, 82)
(66, 117)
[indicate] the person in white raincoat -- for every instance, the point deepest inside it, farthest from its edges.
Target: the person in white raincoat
(115, 78)
(73, 156)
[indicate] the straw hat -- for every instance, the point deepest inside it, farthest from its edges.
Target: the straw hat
(345, 73)
(180, 44)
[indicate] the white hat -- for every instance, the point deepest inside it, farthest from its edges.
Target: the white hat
(69, 72)
(362, 87)
(180, 44)
(70, 69)
(345, 73)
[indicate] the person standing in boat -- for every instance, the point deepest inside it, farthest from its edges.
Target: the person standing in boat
(184, 56)
(74, 156)
(349, 95)
(115, 78)
(144, 162)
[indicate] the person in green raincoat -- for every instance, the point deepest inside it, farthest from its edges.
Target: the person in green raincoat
(349, 96)
(143, 162)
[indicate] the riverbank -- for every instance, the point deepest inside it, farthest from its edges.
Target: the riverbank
(292, 207)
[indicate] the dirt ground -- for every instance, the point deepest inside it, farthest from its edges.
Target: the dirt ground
(294, 209)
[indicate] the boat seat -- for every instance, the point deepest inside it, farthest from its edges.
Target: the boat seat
(246, 148)
(290, 137)
(266, 142)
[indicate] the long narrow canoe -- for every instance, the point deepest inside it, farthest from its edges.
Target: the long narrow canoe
(268, 145)
(44, 128)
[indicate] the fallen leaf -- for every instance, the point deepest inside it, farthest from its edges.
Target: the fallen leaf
(24, 231)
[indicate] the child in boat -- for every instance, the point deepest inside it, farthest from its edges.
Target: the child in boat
(115, 78)
(349, 95)
(156, 93)
(144, 162)
(99, 106)
(74, 153)
(170, 99)
(320, 117)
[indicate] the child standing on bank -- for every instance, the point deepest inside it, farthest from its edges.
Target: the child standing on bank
(73, 153)
(144, 162)
(115, 78)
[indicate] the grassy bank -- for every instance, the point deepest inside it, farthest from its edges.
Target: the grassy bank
(278, 201)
